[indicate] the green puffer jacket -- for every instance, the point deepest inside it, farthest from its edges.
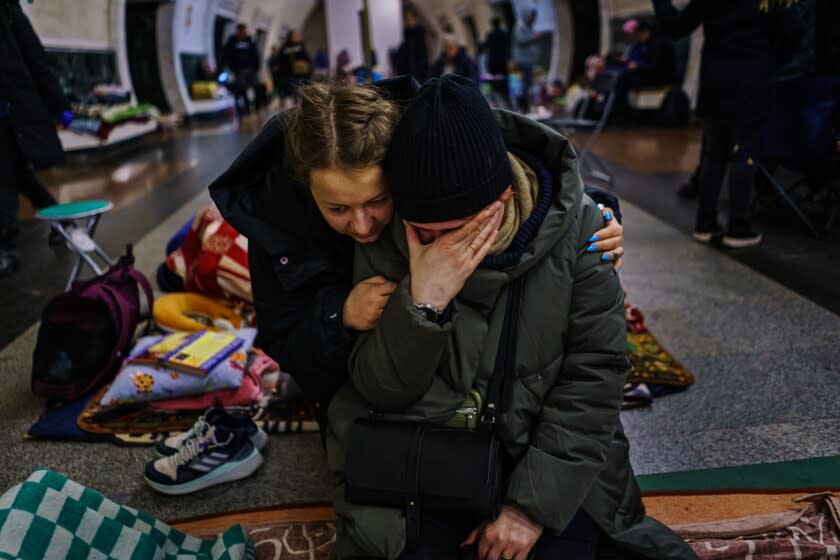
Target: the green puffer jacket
(563, 428)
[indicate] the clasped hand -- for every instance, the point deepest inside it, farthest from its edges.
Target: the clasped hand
(511, 535)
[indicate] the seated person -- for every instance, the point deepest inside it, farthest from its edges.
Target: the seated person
(483, 201)
(648, 61)
(454, 60)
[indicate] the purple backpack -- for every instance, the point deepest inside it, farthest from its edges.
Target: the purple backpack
(86, 331)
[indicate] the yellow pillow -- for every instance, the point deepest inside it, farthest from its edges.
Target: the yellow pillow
(186, 311)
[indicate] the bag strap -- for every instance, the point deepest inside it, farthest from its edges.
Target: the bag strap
(146, 287)
(499, 388)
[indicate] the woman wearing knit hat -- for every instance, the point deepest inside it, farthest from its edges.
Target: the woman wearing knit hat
(302, 192)
(569, 489)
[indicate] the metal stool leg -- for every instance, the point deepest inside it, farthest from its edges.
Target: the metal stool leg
(783, 194)
(82, 256)
(93, 221)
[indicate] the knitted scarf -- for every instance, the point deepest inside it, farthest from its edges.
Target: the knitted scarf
(519, 206)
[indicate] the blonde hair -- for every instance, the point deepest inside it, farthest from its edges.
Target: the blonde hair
(339, 125)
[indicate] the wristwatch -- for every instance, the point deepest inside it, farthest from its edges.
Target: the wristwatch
(430, 312)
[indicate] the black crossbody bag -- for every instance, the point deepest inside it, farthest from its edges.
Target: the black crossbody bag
(413, 465)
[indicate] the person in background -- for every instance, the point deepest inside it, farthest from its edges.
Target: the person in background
(241, 56)
(648, 61)
(526, 52)
(413, 55)
(294, 67)
(454, 60)
(742, 39)
(342, 66)
(31, 102)
(322, 65)
(497, 49)
(274, 70)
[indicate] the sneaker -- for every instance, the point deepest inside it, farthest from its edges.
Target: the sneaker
(705, 234)
(9, 262)
(741, 239)
(218, 456)
(215, 416)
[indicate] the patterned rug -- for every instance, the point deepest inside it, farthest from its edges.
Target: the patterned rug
(734, 526)
(285, 533)
(655, 371)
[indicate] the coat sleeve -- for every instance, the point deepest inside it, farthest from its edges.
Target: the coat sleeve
(678, 23)
(568, 447)
(302, 329)
(395, 364)
(35, 57)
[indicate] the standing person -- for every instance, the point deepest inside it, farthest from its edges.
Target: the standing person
(241, 56)
(295, 67)
(526, 52)
(302, 191)
(497, 48)
(413, 54)
(31, 102)
(274, 69)
(454, 60)
(737, 84)
(342, 66)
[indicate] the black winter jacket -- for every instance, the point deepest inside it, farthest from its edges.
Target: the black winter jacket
(301, 270)
(741, 48)
(241, 55)
(33, 97)
(282, 65)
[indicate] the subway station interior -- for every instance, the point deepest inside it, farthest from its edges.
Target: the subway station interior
(260, 161)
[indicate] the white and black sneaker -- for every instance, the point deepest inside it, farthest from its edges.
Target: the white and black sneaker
(741, 238)
(237, 421)
(707, 233)
(217, 456)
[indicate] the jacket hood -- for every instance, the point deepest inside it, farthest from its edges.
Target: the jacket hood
(558, 155)
(259, 198)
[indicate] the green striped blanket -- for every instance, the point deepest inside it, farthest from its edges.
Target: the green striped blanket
(49, 516)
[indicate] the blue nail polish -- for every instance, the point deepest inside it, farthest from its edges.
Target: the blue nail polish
(608, 216)
(605, 257)
(592, 248)
(593, 238)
